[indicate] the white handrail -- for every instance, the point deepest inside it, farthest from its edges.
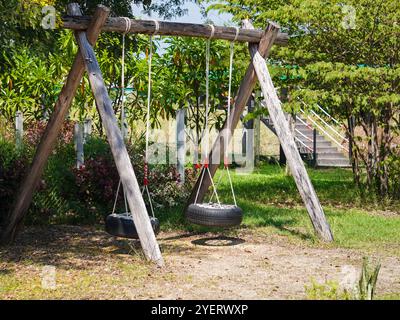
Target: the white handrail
(329, 126)
(301, 142)
(303, 122)
(324, 122)
(322, 129)
(303, 135)
(332, 118)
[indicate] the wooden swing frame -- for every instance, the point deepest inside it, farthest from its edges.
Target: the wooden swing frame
(87, 30)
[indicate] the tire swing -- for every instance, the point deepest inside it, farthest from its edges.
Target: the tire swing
(216, 214)
(121, 224)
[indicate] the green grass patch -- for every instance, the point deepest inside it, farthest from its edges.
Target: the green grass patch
(272, 204)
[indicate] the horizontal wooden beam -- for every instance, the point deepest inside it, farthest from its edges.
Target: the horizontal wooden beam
(166, 28)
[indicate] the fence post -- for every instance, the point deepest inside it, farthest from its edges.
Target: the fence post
(315, 147)
(250, 137)
(180, 143)
(257, 129)
(87, 129)
(19, 128)
(78, 140)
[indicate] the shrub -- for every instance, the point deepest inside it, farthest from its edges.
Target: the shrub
(13, 164)
(98, 180)
(86, 195)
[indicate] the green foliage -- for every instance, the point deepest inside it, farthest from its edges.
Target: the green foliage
(343, 56)
(329, 290)
(368, 279)
(181, 80)
(28, 81)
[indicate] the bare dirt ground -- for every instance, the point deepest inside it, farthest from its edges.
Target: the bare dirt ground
(92, 265)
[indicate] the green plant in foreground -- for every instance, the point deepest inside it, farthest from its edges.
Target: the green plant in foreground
(330, 290)
(368, 279)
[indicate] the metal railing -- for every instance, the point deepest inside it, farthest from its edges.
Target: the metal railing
(333, 133)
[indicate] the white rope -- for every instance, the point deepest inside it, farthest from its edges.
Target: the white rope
(231, 184)
(230, 93)
(145, 187)
(148, 99)
(157, 26)
(228, 131)
(237, 33)
(116, 197)
(205, 153)
(207, 95)
(198, 189)
(213, 185)
(212, 31)
(128, 24)
(149, 197)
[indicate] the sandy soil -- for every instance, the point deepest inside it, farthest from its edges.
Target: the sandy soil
(198, 266)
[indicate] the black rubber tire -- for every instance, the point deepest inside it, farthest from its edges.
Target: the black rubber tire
(121, 225)
(212, 215)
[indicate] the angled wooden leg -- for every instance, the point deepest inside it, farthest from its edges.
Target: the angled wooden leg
(118, 148)
(47, 142)
(288, 144)
(246, 88)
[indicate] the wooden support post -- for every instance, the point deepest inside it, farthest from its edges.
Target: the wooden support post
(49, 138)
(19, 129)
(246, 88)
(118, 148)
(288, 144)
(78, 141)
(180, 144)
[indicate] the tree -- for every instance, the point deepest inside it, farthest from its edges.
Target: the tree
(347, 58)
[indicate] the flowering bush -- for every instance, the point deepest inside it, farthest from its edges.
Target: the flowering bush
(98, 180)
(12, 169)
(36, 130)
(85, 195)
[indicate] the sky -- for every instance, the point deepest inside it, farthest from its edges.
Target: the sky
(193, 15)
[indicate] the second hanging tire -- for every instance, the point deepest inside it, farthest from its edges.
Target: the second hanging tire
(214, 215)
(121, 225)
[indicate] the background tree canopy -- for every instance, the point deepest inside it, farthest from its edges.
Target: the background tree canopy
(344, 56)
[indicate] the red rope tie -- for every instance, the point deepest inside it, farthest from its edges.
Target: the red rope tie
(197, 165)
(206, 163)
(226, 162)
(146, 174)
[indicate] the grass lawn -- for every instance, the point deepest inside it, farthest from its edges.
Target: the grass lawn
(272, 205)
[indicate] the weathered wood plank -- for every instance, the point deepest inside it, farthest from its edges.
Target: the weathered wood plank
(46, 145)
(288, 144)
(167, 28)
(118, 149)
(246, 88)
